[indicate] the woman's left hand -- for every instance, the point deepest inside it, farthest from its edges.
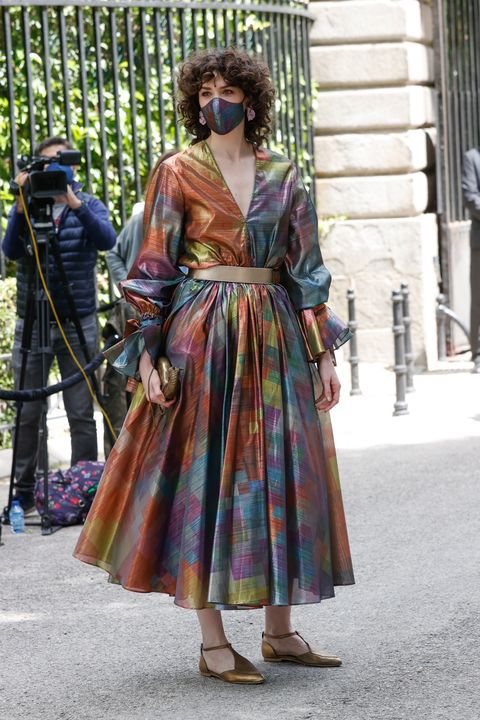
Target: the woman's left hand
(330, 382)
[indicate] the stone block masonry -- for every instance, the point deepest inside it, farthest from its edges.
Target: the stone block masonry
(372, 62)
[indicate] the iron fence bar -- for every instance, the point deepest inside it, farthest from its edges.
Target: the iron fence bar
(473, 76)
(194, 30)
(28, 72)
(47, 68)
(255, 35)
(133, 99)
(236, 28)
(206, 39)
(7, 29)
(216, 36)
(146, 86)
(285, 74)
(171, 43)
(84, 94)
(308, 103)
(183, 34)
(101, 102)
(65, 72)
(300, 9)
(3, 265)
(463, 126)
(476, 55)
(271, 64)
(118, 124)
(297, 125)
(278, 79)
(159, 66)
(226, 28)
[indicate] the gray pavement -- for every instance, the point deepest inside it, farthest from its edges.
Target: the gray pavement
(73, 647)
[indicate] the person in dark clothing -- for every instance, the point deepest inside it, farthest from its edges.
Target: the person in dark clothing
(471, 196)
(119, 260)
(83, 228)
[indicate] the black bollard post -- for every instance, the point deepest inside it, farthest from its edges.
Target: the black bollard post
(353, 360)
(441, 328)
(400, 369)
(407, 323)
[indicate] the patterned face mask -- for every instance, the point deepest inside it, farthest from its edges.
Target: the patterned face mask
(222, 116)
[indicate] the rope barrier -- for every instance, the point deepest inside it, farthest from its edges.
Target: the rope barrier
(32, 394)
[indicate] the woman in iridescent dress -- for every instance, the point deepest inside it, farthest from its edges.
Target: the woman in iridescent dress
(231, 500)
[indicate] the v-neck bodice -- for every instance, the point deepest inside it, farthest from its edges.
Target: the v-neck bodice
(227, 186)
(215, 231)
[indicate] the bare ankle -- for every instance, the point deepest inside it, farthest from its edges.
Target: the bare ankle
(213, 641)
(274, 630)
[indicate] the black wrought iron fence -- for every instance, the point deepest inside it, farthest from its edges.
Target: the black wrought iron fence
(102, 72)
(458, 82)
(457, 38)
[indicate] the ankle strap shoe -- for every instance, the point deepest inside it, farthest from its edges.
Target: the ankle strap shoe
(310, 658)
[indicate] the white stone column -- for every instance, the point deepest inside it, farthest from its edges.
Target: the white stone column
(372, 63)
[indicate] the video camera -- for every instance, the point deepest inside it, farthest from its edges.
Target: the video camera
(42, 187)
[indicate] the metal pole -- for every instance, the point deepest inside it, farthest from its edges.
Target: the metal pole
(407, 322)
(400, 369)
(353, 360)
(441, 328)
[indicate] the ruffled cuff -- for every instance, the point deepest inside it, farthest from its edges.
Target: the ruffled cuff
(125, 355)
(322, 330)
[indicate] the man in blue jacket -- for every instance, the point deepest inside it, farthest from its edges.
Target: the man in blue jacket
(83, 228)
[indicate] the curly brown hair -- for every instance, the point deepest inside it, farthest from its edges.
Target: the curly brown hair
(238, 69)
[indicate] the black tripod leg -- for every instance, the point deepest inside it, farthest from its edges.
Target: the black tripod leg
(25, 349)
(76, 321)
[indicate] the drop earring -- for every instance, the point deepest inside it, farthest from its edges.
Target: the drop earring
(250, 113)
(201, 118)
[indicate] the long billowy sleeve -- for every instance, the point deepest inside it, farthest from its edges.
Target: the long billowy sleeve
(155, 273)
(306, 278)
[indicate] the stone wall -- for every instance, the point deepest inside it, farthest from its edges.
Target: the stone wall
(374, 134)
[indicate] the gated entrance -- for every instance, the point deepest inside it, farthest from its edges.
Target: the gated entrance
(458, 93)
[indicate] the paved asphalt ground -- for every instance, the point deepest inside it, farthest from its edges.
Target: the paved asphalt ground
(73, 647)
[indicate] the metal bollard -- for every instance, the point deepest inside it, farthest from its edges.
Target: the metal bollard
(407, 322)
(400, 369)
(441, 328)
(353, 359)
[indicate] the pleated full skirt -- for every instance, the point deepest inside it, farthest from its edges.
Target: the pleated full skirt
(233, 498)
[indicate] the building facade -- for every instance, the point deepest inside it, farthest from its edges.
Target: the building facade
(373, 65)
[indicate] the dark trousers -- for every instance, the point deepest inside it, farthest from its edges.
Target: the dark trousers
(77, 399)
(116, 403)
(475, 302)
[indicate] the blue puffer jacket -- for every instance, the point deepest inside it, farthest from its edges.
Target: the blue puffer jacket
(81, 233)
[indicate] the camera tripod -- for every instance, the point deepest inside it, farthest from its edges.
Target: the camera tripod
(37, 313)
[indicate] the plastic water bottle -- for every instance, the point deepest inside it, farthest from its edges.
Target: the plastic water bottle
(17, 518)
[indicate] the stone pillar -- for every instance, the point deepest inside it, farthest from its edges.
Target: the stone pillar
(372, 64)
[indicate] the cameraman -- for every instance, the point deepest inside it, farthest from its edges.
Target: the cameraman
(83, 228)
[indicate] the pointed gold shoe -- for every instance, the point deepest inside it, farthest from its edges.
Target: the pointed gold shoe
(309, 658)
(244, 672)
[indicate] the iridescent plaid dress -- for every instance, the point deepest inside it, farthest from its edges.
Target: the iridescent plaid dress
(234, 501)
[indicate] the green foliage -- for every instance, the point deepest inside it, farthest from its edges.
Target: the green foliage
(121, 106)
(117, 87)
(7, 328)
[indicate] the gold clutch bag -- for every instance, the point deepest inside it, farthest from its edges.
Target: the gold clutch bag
(169, 377)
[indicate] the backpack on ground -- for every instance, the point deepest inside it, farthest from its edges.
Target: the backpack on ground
(70, 492)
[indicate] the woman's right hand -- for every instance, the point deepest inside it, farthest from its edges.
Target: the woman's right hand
(151, 381)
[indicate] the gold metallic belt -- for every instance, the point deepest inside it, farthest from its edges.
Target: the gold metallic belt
(235, 273)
